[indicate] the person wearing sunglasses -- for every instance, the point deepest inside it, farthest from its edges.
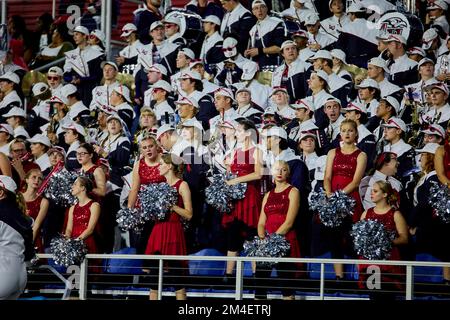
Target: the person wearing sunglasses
(230, 70)
(97, 40)
(127, 58)
(55, 79)
(172, 27)
(144, 17)
(163, 110)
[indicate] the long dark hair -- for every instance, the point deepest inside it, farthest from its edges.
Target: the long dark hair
(90, 149)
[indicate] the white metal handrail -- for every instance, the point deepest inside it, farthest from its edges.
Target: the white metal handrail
(239, 268)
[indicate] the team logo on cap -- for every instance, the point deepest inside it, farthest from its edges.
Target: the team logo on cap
(394, 23)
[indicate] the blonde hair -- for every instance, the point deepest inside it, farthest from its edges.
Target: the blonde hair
(392, 197)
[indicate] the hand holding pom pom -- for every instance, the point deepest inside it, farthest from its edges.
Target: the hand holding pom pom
(371, 240)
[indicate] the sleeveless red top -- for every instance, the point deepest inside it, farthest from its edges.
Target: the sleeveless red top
(149, 174)
(81, 217)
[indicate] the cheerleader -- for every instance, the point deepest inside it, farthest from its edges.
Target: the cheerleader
(278, 214)
(167, 237)
(344, 170)
(246, 163)
(36, 205)
(385, 199)
(87, 158)
(145, 171)
(84, 215)
(17, 241)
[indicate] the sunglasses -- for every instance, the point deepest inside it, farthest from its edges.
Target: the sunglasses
(52, 78)
(92, 36)
(169, 25)
(227, 49)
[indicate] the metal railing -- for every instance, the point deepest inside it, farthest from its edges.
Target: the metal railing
(239, 276)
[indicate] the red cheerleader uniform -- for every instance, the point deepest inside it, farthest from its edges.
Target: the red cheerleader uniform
(390, 274)
(276, 210)
(33, 208)
(247, 209)
(167, 237)
(344, 168)
(81, 216)
(149, 174)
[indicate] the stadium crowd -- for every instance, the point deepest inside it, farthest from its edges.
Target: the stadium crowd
(288, 97)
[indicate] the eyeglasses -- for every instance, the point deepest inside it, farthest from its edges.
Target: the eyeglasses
(82, 154)
(227, 49)
(92, 36)
(52, 78)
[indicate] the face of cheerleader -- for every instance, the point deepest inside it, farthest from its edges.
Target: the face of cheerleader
(318, 64)
(114, 126)
(438, 97)
(348, 133)
(109, 72)
(308, 145)
(182, 60)
(382, 109)
(149, 149)
(93, 40)
(200, 69)
(79, 38)
(148, 120)
(37, 149)
(70, 136)
(332, 110)
(241, 134)
(243, 98)
(280, 98)
(83, 156)
(377, 195)
(391, 134)
(4, 137)
(34, 180)
(280, 172)
(187, 133)
(337, 62)
(55, 157)
(77, 188)
(260, 11)
(164, 168)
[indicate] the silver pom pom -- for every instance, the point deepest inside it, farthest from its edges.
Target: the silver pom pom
(371, 240)
(273, 246)
(67, 252)
(332, 210)
(440, 201)
(130, 219)
(59, 188)
(156, 200)
(220, 195)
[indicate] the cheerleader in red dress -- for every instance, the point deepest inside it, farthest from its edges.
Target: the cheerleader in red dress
(344, 170)
(167, 237)
(36, 205)
(246, 164)
(442, 166)
(279, 210)
(384, 197)
(83, 217)
(145, 172)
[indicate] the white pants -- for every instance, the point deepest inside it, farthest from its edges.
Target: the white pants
(13, 277)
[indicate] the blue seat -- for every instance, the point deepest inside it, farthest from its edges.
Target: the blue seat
(428, 274)
(350, 270)
(52, 263)
(207, 268)
(124, 266)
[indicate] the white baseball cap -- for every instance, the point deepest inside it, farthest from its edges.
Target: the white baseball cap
(396, 123)
(10, 76)
(430, 147)
(322, 54)
(224, 92)
(229, 47)
(189, 101)
(287, 43)
(56, 71)
(58, 98)
(277, 89)
(435, 129)
(39, 88)
(123, 91)
(322, 74)
(428, 37)
(155, 25)
(15, 112)
(76, 127)
(257, 3)
(332, 99)
(192, 123)
(311, 19)
(8, 183)
(396, 38)
(172, 19)
(417, 50)
(302, 104)
(128, 29)
(212, 19)
(191, 74)
(438, 85)
(249, 70)
(339, 54)
(356, 106)
(306, 134)
(158, 68)
(300, 33)
(4, 127)
(163, 129)
(355, 8)
(437, 4)
(188, 53)
(425, 60)
(368, 83)
(392, 102)
(276, 132)
(82, 30)
(162, 84)
(40, 138)
(99, 34)
(244, 89)
(110, 63)
(379, 62)
(68, 90)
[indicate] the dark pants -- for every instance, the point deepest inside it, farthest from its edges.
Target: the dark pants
(263, 281)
